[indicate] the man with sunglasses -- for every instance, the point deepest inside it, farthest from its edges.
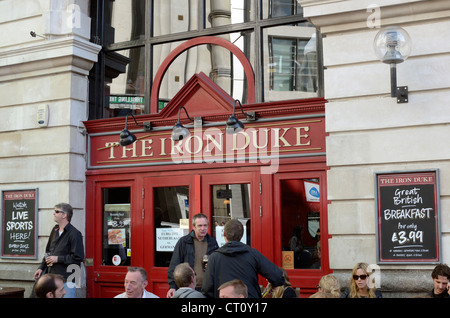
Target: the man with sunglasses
(64, 248)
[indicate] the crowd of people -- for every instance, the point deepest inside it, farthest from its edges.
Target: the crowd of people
(199, 268)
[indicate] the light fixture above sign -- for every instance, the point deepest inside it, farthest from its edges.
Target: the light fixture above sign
(392, 46)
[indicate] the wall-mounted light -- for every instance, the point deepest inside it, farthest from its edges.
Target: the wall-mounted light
(34, 34)
(126, 137)
(392, 46)
(233, 124)
(179, 132)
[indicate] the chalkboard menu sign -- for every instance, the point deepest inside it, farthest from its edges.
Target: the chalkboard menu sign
(19, 224)
(408, 217)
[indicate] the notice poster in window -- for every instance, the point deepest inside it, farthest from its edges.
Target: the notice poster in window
(167, 238)
(408, 217)
(19, 223)
(117, 234)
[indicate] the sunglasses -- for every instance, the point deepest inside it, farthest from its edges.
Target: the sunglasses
(59, 211)
(356, 277)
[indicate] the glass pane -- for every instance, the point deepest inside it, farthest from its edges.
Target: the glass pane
(300, 221)
(280, 8)
(125, 83)
(116, 227)
(215, 61)
(173, 16)
(230, 201)
(124, 20)
(290, 56)
(171, 212)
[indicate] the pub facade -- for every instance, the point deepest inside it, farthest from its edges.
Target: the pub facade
(126, 111)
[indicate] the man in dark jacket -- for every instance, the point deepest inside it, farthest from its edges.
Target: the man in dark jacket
(190, 249)
(236, 260)
(441, 281)
(64, 248)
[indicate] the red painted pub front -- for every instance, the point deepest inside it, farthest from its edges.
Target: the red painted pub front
(271, 176)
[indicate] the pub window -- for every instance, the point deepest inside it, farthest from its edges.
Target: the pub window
(281, 8)
(136, 35)
(230, 201)
(215, 61)
(291, 62)
(116, 227)
(300, 221)
(171, 216)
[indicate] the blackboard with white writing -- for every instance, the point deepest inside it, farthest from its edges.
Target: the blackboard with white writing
(408, 217)
(19, 224)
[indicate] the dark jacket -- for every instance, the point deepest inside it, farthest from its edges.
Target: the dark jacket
(238, 260)
(68, 247)
(184, 253)
(441, 295)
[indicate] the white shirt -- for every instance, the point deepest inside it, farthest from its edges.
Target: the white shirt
(145, 295)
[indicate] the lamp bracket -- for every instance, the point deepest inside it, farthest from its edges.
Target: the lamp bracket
(198, 122)
(402, 94)
(251, 116)
(147, 125)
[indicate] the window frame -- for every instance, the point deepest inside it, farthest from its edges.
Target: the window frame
(256, 25)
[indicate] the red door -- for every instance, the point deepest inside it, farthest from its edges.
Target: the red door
(171, 201)
(113, 232)
(168, 206)
(301, 227)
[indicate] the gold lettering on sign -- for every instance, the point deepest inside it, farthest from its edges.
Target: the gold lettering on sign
(213, 143)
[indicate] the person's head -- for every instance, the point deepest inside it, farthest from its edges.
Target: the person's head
(135, 282)
(50, 286)
(233, 289)
(359, 282)
(184, 275)
(233, 230)
(63, 211)
(200, 226)
(441, 278)
(279, 290)
(329, 285)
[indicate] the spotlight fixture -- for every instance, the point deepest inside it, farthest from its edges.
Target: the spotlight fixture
(392, 46)
(34, 34)
(180, 132)
(233, 124)
(126, 137)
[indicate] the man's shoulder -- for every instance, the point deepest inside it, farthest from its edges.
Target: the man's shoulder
(148, 294)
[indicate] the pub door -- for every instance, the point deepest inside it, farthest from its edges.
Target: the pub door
(301, 227)
(172, 201)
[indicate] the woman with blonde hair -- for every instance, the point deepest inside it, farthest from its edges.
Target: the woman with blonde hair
(360, 285)
(283, 291)
(328, 287)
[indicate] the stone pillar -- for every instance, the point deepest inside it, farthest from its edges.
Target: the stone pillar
(49, 69)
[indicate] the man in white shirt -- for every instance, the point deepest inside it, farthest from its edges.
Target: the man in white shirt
(135, 283)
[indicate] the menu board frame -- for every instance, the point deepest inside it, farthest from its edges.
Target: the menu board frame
(407, 217)
(20, 214)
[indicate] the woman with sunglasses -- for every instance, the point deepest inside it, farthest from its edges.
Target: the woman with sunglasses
(360, 284)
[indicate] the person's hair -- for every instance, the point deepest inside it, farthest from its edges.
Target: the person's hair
(66, 208)
(183, 274)
(45, 284)
(239, 287)
(140, 270)
(354, 292)
(330, 286)
(441, 270)
(198, 216)
(279, 291)
(233, 230)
